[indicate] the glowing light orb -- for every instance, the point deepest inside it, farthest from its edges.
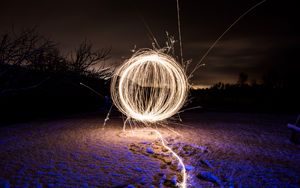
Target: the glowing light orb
(149, 87)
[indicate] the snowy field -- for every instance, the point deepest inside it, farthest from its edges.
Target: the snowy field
(219, 150)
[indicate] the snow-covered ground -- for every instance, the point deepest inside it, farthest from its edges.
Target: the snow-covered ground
(219, 149)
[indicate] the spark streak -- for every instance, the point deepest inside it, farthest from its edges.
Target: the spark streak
(200, 64)
(179, 31)
(183, 184)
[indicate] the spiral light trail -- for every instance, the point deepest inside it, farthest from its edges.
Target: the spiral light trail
(149, 87)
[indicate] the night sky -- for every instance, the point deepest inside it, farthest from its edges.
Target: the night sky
(264, 40)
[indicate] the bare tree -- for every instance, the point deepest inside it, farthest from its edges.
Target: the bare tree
(28, 48)
(48, 59)
(85, 57)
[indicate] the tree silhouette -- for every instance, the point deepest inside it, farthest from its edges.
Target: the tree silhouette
(21, 48)
(85, 57)
(243, 78)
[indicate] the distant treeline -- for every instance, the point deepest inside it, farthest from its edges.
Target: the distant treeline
(274, 94)
(36, 79)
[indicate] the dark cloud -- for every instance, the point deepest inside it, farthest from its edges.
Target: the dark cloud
(249, 47)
